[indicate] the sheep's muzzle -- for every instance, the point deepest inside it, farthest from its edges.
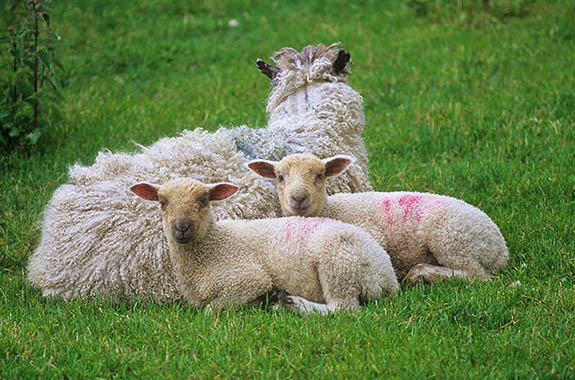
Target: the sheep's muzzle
(183, 230)
(299, 203)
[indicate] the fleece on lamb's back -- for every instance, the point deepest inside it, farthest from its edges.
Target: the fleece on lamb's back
(311, 108)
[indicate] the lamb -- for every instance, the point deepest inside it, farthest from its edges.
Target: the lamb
(427, 236)
(311, 108)
(325, 265)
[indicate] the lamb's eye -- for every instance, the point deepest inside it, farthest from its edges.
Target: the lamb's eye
(163, 202)
(319, 177)
(203, 201)
(280, 178)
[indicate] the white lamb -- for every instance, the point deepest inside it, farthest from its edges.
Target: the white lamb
(324, 264)
(311, 108)
(427, 236)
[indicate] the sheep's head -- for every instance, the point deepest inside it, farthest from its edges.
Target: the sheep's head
(301, 180)
(288, 59)
(310, 81)
(185, 205)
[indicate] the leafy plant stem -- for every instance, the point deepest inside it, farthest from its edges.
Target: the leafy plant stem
(14, 49)
(36, 31)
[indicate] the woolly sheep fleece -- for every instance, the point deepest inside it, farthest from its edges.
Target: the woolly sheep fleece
(311, 108)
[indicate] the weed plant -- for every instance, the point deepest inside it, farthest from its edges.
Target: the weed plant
(29, 88)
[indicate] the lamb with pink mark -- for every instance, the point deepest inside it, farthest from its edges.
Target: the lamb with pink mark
(324, 265)
(427, 236)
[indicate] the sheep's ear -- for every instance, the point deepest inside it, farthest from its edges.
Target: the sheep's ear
(147, 191)
(268, 70)
(222, 190)
(264, 168)
(337, 164)
(341, 61)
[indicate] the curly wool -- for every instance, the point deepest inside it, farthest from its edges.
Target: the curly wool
(416, 228)
(96, 213)
(100, 249)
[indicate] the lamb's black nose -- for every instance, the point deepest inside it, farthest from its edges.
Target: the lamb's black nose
(299, 198)
(183, 231)
(182, 226)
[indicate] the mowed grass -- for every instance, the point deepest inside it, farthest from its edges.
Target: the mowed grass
(480, 108)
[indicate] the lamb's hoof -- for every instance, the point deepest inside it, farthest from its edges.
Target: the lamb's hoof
(270, 299)
(296, 304)
(418, 274)
(414, 280)
(288, 301)
(284, 302)
(210, 310)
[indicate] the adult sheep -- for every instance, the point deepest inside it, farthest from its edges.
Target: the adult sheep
(311, 108)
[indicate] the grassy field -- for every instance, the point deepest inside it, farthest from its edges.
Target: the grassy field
(480, 107)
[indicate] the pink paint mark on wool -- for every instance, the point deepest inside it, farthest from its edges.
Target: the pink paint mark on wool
(386, 205)
(302, 228)
(411, 204)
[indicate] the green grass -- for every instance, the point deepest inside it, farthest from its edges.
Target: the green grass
(480, 108)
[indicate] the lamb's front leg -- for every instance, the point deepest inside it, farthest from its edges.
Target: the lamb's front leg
(431, 273)
(304, 306)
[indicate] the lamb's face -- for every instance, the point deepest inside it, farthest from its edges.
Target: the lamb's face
(185, 206)
(301, 180)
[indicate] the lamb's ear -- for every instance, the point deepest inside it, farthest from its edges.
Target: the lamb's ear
(147, 191)
(337, 164)
(341, 61)
(268, 70)
(263, 168)
(222, 190)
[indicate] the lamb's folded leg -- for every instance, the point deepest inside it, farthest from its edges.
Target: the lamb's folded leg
(307, 307)
(246, 284)
(431, 273)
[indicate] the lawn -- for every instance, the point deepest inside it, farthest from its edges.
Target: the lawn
(477, 106)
